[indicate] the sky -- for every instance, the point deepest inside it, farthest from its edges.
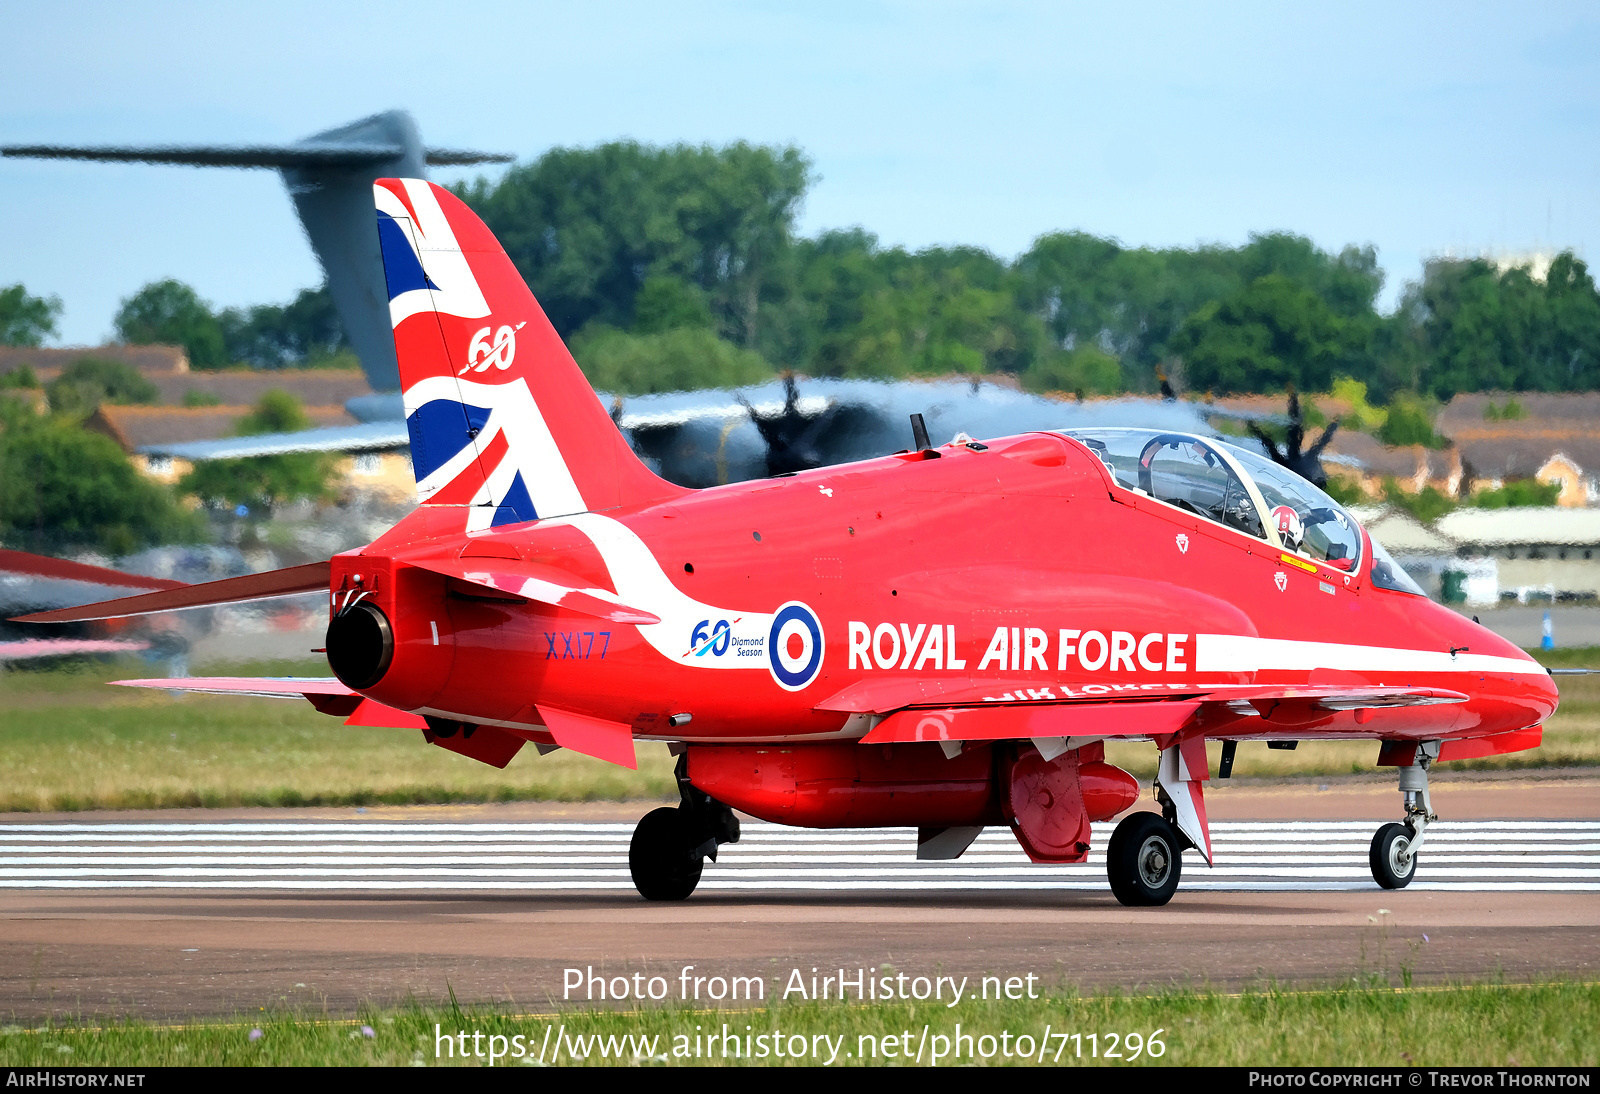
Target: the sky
(1420, 129)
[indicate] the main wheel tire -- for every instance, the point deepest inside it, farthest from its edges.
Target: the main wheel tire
(1393, 861)
(1144, 860)
(660, 858)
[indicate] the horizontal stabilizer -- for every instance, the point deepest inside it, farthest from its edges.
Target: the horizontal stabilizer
(312, 577)
(263, 687)
(20, 562)
(544, 584)
(310, 154)
(30, 648)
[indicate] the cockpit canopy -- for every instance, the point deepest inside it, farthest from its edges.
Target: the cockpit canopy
(1245, 491)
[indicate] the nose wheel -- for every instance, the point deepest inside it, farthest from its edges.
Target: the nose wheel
(1144, 860)
(1396, 846)
(1394, 855)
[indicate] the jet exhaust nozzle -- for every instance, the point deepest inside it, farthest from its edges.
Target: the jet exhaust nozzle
(360, 645)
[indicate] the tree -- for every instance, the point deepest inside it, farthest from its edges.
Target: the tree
(171, 313)
(1261, 338)
(305, 331)
(26, 320)
(588, 227)
(670, 303)
(62, 486)
(1468, 326)
(263, 482)
(90, 381)
(1133, 303)
(683, 359)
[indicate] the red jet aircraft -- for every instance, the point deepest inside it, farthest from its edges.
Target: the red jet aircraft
(941, 638)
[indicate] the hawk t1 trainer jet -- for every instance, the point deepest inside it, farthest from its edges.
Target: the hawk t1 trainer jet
(943, 638)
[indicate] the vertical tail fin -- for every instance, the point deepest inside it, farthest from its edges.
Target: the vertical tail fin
(502, 421)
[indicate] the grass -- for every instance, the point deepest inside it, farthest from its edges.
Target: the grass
(69, 742)
(1367, 1024)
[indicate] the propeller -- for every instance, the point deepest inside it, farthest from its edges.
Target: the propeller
(1305, 462)
(790, 436)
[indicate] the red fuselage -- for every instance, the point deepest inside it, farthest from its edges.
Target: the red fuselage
(1042, 577)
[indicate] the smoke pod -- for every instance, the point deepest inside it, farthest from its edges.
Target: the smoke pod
(360, 645)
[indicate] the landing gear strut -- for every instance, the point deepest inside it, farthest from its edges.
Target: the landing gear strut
(1395, 846)
(1144, 860)
(670, 846)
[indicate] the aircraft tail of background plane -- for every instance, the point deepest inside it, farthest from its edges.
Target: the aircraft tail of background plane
(502, 421)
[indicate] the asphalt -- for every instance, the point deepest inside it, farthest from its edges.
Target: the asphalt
(178, 954)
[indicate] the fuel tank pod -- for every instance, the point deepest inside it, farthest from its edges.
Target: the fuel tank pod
(842, 784)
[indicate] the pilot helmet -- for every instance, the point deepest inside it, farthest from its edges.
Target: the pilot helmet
(1291, 529)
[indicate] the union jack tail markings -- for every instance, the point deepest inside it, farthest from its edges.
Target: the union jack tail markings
(502, 422)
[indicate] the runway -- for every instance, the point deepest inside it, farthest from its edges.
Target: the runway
(535, 857)
(197, 914)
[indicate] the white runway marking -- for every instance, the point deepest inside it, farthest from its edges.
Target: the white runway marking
(1539, 855)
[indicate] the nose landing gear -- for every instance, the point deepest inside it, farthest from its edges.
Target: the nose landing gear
(1393, 855)
(670, 846)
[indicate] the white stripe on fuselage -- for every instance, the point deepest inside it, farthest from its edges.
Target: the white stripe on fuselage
(642, 583)
(1242, 653)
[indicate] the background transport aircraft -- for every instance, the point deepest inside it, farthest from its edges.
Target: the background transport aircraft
(700, 438)
(941, 638)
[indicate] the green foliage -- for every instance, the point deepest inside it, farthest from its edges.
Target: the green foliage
(1410, 421)
(1512, 411)
(1345, 490)
(1266, 335)
(21, 378)
(276, 411)
(588, 227)
(61, 486)
(26, 320)
(90, 381)
(870, 312)
(670, 303)
(675, 360)
(1373, 1019)
(262, 482)
(194, 397)
(1473, 327)
(1427, 504)
(1086, 370)
(305, 331)
(1132, 303)
(171, 313)
(1516, 493)
(1362, 416)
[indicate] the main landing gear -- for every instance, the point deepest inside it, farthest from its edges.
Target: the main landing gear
(1145, 859)
(670, 846)
(1395, 846)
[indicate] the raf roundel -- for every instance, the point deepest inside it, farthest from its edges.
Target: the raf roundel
(794, 646)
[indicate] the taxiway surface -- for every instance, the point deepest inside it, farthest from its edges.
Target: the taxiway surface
(1515, 891)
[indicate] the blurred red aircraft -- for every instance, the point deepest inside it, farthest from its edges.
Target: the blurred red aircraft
(943, 638)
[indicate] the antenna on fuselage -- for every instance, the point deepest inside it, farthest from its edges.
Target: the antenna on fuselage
(919, 433)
